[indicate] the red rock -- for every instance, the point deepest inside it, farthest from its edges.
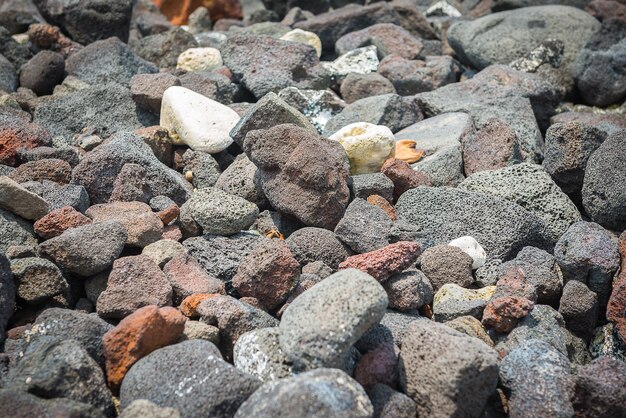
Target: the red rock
(136, 336)
(616, 308)
(51, 169)
(606, 9)
(50, 37)
(494, 146)
(142, 225)
(378, 366)
(172, 232)
(168, 214)
(187, 277)
(17, 132)
(382, 203)
(59, 220)
(178, 11)
(268, 273)
(385, 262)
(513, 299)
(190, 303)
(403, 176)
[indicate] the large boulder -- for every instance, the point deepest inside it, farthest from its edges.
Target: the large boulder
(301, 173)
(443, 214)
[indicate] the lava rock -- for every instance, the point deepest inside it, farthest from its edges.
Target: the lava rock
(258, 353)
(385, 262)
(597, 389)
(453, 301)
(360, 86)
(187, 277)
(403, 176)
(60, 195)
(447, 264)
(43, 72)
(579, 308)
(50, 169)
(21, 201)
(37, 279)
(148, 89)
(143, 227)
(316, 244)
(24, 405)
(364, 227)
(8, 76)
(238, 180)
(365, 185)
(410, 77)
(15, 231)
(409, 290)
(16, 133)
(143, 408)
(7, 295)
(163, 49)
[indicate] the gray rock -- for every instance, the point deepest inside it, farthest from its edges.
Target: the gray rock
(604, 196)
(88, 249)
(316, 244)
(8, 76)
(500, 38)
(587, 253)
(538, 378)
(60, 195)
(164, 48)
(409, 290)
(264, 64)
(541, 270)
(598, 390)
(238, 180)
(193, 367)
(107, 61)
(444, 214)
(445, 372)
(360, 86)
(364, 227)
(233, 318)
(203, 166)
(99, 168)
(20, 201)
(16, 53)
(52, 368)
(7, 295)
(447, 264)
(392, 328)
(15, 231)
(579, 308)
(142, 408)
(307, 394)
(25, 405)
(220, 256)
(37, 279)
(410, 77)
(89, 20)
(390, 110)
(568, 148)
(598, 67)
(489, 273)
(258, 353)
(269, 111)
(531, 187)
(220, 213)
(108, 108)
(319, 326)
(546, 324)
(365, 185)
(388, 403)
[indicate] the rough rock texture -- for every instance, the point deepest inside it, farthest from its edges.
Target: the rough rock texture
(385, 262)
(616, 311)
(301, 173)
(264, 64)
(446, 372)
(143, 227)
(144, 331)
(319, 327)
(164, 48)
(597, 389)
(37, 279)
(188, 366)
(579, 308)
(388, 38)
(17, 132)
(403, 176)
(443, 214)
(316, 244)
(187, 277)
(21, 201)
(24, 405)
(446, 264)
(307, 395)
(88, 249)
(258, 353)
(43, 72)
(7, 294)
(364, 227)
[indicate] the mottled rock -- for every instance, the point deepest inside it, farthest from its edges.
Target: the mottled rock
(148, 89)
(316, 244)
(37, 279)
(20, 201)
(258, 353)
(50, 169)
(453, 301)
(385, 262)
(25, 405)
(495, 145)
(187, 277)
(598, 390)
(366, 185)
(238, 180)
(16, 132)
(143, 227)
(142, 408)
(579, 308)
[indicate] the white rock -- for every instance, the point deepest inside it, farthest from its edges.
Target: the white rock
(472, 248)
(367, 146)
(304, 37)
(199, 59)
(197, 121)
(20, 201)
(359, 61)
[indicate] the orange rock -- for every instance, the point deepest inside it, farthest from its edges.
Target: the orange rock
(382, 203)
(405, 151)
(57, 221)
(190, 303)
(178, 11)
(136, 336)
(168, 214)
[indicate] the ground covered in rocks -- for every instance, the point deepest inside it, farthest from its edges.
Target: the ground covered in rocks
(327, 208)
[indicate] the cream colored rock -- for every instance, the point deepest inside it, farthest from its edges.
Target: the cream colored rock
(197, 121)
(304, 37)
(472, 248)
(199, 59)
(20, 201)
(451, 291)
(367, 146)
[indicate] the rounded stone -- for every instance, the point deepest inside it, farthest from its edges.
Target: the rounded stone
(44, 71)
(37, 279)
(199, 59)
(316, 244)
(447, 264)
(304, 37)
(367, 146)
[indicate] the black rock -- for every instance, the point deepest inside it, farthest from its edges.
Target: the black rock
(44, 71)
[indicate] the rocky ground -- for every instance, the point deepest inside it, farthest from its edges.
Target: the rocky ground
(312, 208)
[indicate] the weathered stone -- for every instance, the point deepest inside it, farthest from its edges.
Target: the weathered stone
(385, 262)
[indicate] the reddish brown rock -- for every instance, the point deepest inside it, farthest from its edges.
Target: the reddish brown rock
(142, 225)
(50, 37)
(17, 132)
(178, 11)
(385, 262)
(268, 273)
(513, 299)
(168, 214)
(606, 9)
(131, 185)
(187, 277)
(494, 146)
(136, 336)
(382, 203)
(172, 232)
(390, 39)
(253, 302)
(378, 366)
(616, 308)
(403, 176)
(51, 169)
(190, 304)
(57, 221)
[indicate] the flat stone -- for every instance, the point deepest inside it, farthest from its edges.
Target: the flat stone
(20, 201)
